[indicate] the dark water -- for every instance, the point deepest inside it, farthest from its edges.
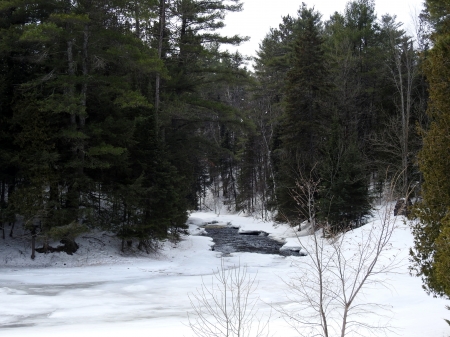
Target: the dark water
(228, 240)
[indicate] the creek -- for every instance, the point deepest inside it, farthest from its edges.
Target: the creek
(228, 240)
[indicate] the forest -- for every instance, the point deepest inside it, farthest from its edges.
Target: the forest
(126, 115)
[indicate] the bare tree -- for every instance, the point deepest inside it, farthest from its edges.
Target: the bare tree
(328, 284)
(227, 306)
(398, 140)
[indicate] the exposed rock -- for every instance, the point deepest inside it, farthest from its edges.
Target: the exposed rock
(297, 249)
(195, 230)
(253, 232)
(69, 247)
(215, 224)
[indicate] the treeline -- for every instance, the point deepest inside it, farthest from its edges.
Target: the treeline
(111, 114)
(342, 100)
(126, 115)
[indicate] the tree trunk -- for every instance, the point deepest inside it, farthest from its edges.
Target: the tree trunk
(12, 220)
(136, 18)
(12, 224)
(2, 193)
(234, 186)
(82, 116)
(71, 202)
(33, 242)
(403, 77)
(344, 322)
(162, 24)
(70, 92)
(2, 204)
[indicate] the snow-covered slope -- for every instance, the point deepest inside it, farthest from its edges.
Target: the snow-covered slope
(100, 292)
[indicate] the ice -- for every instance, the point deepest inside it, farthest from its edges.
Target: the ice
(105, 293)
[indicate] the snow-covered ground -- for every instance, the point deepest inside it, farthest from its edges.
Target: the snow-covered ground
(99, 292)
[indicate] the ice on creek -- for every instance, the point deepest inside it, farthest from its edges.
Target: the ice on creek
(104, 293)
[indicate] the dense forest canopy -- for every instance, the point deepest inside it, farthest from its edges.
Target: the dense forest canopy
(123, 116)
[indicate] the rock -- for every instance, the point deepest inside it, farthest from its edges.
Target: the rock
(253, 232)
(296, 249)
(69, 247)
(401, 207)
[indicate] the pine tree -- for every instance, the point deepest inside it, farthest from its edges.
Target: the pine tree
(194, 108)
(75, 124)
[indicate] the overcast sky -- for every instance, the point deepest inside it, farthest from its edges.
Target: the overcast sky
(259, 16)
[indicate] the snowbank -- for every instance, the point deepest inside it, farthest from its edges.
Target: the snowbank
(100, 292)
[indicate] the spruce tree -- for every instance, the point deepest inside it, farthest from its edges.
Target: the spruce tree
(343, 199)
(305, 107)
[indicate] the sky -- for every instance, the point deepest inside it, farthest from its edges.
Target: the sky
(259, 16)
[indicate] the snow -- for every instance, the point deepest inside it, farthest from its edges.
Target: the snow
(100, 292)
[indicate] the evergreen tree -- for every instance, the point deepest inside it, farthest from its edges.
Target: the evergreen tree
(75, 125)
(305, 108)
(343, 199)
(431, 232)
(195, 108)
(272, 64)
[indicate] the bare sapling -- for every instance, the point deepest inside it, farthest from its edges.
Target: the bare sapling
(227, 305)
(328, 286)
